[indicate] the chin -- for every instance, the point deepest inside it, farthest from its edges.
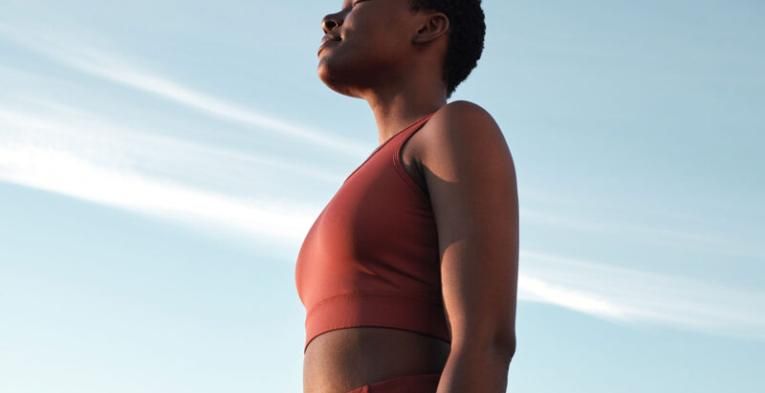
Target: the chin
(339, 88)
(333, 79)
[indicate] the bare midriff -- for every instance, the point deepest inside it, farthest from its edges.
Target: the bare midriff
(340, 360)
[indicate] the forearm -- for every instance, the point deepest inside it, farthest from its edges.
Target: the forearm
(475, 371)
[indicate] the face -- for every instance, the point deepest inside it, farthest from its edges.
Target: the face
(375, 44)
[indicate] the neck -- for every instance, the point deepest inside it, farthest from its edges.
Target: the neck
(397, 105)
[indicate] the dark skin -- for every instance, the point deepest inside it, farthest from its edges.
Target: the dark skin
(391, 57)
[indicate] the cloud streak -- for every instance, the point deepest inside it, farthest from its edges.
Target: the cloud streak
(61, 172)
(114, 68)
(624, 295)
(121, 167)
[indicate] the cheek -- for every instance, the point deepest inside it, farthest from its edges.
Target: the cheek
(378, 36)
(380, 48)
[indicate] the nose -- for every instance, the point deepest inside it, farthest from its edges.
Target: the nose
(329, 22)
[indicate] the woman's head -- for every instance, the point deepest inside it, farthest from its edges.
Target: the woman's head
(377, 42)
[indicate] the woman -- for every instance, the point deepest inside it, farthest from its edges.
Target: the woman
(409, 274)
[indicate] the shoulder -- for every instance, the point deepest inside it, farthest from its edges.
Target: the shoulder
(464, 113)
(458, 134)
(463, 107)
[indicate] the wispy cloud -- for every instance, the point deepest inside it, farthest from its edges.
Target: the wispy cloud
(632, 296)
(116, 68)
(62, 172)
(81, 156)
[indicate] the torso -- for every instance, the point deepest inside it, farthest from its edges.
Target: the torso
(340, 360)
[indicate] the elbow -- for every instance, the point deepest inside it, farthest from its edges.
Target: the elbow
(506, 345)
(505, 342)
(499, 346)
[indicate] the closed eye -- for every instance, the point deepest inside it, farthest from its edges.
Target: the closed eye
(353, 4)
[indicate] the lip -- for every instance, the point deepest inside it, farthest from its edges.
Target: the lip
(325, 42)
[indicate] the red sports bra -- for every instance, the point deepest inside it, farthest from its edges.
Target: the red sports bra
(371, 257)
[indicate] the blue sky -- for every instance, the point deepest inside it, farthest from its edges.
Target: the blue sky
(160, 164)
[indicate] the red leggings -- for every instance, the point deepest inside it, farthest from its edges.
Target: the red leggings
(419, 383)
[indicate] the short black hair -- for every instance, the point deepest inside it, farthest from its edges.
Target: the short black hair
(467, 29)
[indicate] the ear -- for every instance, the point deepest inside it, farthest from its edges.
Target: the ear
(434, 25)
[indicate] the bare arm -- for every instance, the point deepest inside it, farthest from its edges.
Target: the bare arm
(472, 183)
